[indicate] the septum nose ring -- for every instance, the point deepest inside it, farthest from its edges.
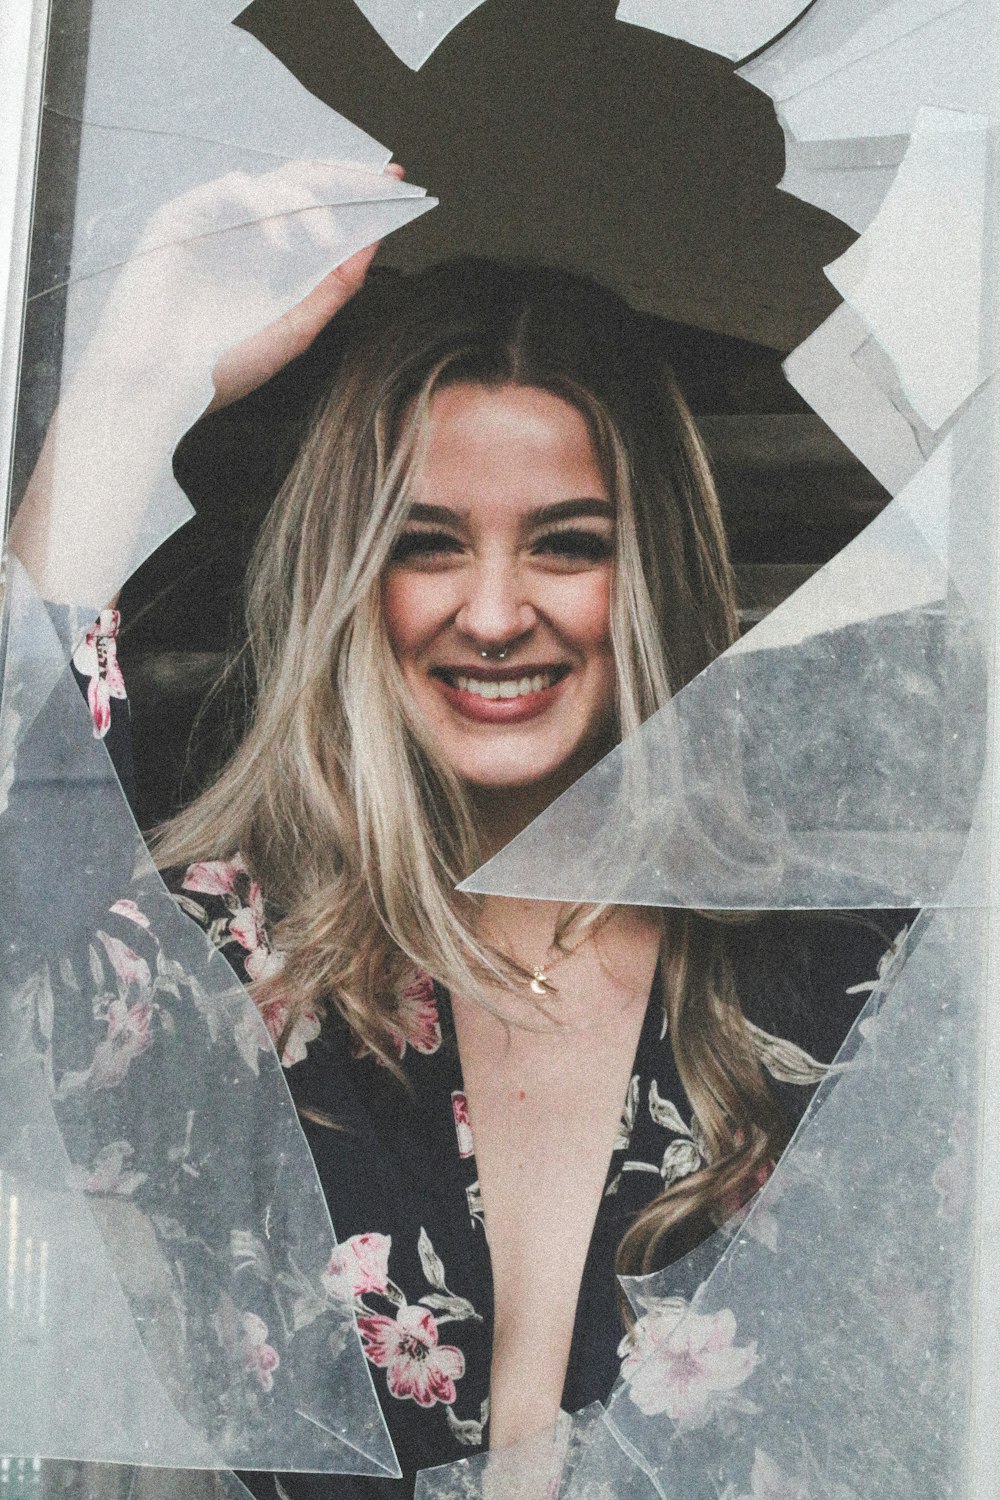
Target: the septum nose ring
(495, 653)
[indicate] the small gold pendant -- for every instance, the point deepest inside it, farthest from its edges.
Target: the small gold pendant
(538, 984)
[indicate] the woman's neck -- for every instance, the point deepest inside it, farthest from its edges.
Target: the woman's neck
(502, 812)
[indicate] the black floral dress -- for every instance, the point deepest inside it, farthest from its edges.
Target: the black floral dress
(397, 1158)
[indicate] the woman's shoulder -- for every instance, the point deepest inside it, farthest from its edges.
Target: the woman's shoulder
(805, 977)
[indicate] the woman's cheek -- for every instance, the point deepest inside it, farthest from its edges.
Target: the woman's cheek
(586, 610)
(412, 605)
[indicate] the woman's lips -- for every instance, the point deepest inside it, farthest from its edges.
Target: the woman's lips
(505, 696)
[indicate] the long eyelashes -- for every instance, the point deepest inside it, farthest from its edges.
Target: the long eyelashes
(574, 545)
(587, 546)
(414, 544)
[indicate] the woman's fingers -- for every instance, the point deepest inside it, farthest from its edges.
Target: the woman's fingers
(249, 364)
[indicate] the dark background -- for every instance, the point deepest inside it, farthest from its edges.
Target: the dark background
(548, 130)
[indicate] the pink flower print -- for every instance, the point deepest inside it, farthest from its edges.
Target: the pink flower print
(130, 968)
(259, 1357)
(131, 911)
(463, 1123)
(247, 927)
(735, 1204)
(129, 1035)
(97, 658)
(275, 1015)
(417, 1014)
(407, 1348)
(686, 1367)
(112, 1171)
(357, 1266)
(215, 877)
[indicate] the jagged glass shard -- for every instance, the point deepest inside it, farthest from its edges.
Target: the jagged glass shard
(844, 377)
(416, 28)
(734, 29)
(184, 70)
(827, 1352)
(853, 193)
(583, 1458)
(139, 344)
(819, 1347)
(52, 1479)
(212, 193)
(163, 1234)
(915, 276)
(854, 70)
(831, 758)
(848, 80)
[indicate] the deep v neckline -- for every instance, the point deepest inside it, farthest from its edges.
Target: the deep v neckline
(652, 1035)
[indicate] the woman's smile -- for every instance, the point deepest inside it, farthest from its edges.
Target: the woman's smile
(494, 695)
(498, 595)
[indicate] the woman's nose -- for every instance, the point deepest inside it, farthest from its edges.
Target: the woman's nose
(496, 608)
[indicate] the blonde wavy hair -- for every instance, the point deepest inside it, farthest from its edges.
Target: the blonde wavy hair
(336, 797)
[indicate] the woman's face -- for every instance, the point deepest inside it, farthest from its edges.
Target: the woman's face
(497, 598)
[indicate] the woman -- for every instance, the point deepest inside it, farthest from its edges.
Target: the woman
(498, 551)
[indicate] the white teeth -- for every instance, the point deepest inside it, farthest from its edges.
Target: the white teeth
(518, 688)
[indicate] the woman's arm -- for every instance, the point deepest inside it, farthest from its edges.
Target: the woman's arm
(139, 381)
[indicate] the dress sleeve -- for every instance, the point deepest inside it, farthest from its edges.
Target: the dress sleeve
(100, 680)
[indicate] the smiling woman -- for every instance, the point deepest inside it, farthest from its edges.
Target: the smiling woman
(498, 551)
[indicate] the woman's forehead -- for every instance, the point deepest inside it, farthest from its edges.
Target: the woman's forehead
(506, 447)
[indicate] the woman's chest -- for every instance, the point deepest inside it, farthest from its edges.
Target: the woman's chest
(447, 1317)
(545, 1113)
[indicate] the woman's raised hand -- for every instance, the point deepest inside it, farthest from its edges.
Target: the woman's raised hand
(202, 300)
(247, 365)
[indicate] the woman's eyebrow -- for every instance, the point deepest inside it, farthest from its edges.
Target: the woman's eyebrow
(559, 510)
(438, 515)
(572, 510)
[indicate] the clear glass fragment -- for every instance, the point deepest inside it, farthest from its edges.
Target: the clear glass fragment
(163, 1234)
(583, 1458)
(416, 28)
(829, 1345)
(733, 29)
(212, 193)
(848, 80)
(844, 377)
(185, 70)
(942, 65)
(52, 1479)
(852, 193)
(830, 38)
(831, 758)
(820, 1346)
(915, 277)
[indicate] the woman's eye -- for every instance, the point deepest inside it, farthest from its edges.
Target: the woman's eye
(414, 545)
(577, 546)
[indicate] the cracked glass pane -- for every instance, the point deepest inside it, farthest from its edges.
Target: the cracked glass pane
(915, 275)
(165, 1240)
(209, 181)
(819, 1345)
